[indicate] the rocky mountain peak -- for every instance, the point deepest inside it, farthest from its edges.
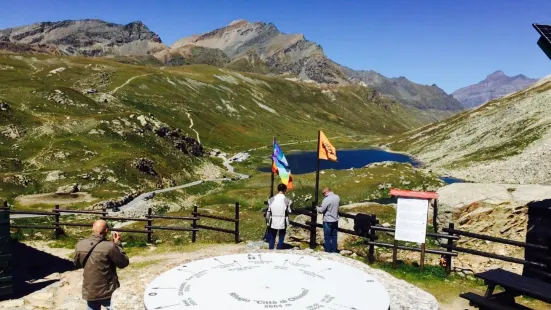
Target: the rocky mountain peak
(495, 85)
(88, 37)
(496, 74)
(238, 22)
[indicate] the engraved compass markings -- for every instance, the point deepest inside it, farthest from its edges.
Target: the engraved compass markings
(164, 307)
(183, 268)
(237, 282)
(345, 307)
(164, 288)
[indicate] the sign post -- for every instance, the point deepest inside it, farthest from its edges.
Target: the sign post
(411, 219)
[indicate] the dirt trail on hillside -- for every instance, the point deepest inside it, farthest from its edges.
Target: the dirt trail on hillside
(126, 83)
(191, 127)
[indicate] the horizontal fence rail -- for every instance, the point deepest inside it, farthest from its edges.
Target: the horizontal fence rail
(408, 248)
(214, 217)
(446, 250)
(371, 235)
(123, 219)
(496, 239)
(149, 228)
(495, 256)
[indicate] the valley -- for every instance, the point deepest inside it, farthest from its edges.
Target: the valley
(101, 115)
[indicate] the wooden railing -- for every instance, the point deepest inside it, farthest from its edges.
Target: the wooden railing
(149, 218)
(447, 250)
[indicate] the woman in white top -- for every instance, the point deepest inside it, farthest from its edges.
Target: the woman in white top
(279, 208)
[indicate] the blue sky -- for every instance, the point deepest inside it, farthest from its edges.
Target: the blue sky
(450, 43)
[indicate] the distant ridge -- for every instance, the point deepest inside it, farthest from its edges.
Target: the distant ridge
(495, 85)
(257, 47)
(89, 37)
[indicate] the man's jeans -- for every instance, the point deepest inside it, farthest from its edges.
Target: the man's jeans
(96, 304)
(272, 237)
(330, 236)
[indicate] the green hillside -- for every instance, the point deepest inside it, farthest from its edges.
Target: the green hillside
(92, 118)
(507, 140)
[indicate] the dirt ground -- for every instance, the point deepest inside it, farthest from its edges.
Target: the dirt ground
(54, 199)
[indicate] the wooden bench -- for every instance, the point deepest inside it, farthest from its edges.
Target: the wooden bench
(513, 284)
(516, 285)
(484, 303)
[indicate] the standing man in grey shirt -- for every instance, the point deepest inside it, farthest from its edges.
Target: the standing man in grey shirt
(330, 210)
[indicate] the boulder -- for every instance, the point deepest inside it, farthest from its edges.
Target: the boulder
(54, 176)
(67, 189)
(11, 131)
(4, 106)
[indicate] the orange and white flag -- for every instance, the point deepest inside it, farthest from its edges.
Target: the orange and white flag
(326, 150)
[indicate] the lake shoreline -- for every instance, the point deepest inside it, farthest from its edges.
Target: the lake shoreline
(304, 162)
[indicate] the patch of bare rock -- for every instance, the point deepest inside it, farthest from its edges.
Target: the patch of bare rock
(498, 210)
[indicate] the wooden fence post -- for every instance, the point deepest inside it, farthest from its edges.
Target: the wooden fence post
(194, 224)
(435, 216)
(372, 238)
(6, 258)
(57, 228)
(395, 254)
(313, 222)
(237, 222)
(422, 261)
(149, 224)
(449, 249)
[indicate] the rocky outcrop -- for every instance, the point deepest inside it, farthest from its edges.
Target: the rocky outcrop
(18, 179)
(67, 189)
(180, 141)
(11, 131)
(89, 37)
(4, 106)
(495, 85)
(498, 210)
(144, 165)
(116, 203)
(192, 55)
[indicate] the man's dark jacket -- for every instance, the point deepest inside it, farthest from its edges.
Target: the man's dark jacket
(100, 270)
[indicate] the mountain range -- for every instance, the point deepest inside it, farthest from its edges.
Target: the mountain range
(243, 46)
(495, 85)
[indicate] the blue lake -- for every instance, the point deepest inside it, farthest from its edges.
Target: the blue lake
(305, 162)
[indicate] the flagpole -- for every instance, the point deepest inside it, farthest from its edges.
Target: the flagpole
(272, 184)
(317, 170)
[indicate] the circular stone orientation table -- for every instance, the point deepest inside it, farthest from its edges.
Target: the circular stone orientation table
(265, 281)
